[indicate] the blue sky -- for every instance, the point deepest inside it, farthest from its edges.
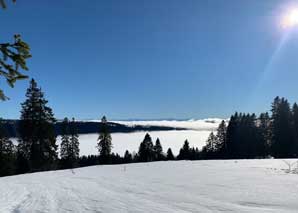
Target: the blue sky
(154, 59)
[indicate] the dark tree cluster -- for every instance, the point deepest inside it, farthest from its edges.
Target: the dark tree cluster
(249, 136)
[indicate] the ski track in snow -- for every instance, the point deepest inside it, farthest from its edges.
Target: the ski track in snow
(179, 186)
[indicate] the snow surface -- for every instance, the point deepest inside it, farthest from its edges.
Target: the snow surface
(181, 186)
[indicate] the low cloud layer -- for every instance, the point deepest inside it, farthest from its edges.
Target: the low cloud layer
(203, 124)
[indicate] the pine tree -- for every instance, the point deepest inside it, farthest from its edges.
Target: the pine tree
(69, 144)
(282, 139)
(265, 132)
(210, 144)
(74, 144)
(170, 155)
(37, 139)
(231, 137)
(127, 157)
(220, 145)
(64, 147)
(158, 152)
(146, 152)
(295, 128)
(104, 144)
(7, 153)
(184, 153)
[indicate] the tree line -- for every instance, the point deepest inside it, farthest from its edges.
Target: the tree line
(243, 136)
(249, 136)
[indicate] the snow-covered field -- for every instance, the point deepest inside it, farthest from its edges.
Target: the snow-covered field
(181, 186)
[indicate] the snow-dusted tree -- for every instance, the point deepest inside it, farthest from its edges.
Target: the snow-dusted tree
(104, 144)
(37, 138)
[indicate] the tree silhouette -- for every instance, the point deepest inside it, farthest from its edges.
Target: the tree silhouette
(146, 152)
(170, 155)
(37, 139)
(104, 144)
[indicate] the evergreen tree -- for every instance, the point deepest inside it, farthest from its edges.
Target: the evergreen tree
(146, 152)
(37, 139)
(158, 152)
(104, 141)
(170, 155)
(231, 136)
(7, 153)
(184, 153)
(295, 128)
(282, 139)
(220, 145)
(243, 138)
(265, 132)
(74, 144)
(65, 143)
(127, 157)
(211, 142)
(69, 144)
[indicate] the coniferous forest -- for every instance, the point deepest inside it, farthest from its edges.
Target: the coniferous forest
(243, 136)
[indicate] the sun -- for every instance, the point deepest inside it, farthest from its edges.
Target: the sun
(290, 19)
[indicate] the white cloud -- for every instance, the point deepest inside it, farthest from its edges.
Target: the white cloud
(203, 124)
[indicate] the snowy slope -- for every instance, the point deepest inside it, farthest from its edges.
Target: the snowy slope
(181, 186)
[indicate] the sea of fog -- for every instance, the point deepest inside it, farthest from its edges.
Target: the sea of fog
(197, 133)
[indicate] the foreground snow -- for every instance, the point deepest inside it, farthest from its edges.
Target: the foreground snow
(181, 186)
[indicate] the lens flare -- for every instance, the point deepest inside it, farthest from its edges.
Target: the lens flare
(290, 19)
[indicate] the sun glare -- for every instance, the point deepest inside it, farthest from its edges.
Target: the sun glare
(290, 19)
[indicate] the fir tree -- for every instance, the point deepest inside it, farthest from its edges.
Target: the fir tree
(265, 132)
(231, 136)
(69, 144)
(7, 153)
(146, 152)
(295, 128)
(127, 157)
(170, 155)
(104, 144)
(74, 144)
(184, 153)
(64, 147)
(282, 139)
(37, 139)
(210, 144)
(158, 152)
(220, 145)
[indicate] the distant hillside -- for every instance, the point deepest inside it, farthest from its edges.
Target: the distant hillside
(86, 127)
